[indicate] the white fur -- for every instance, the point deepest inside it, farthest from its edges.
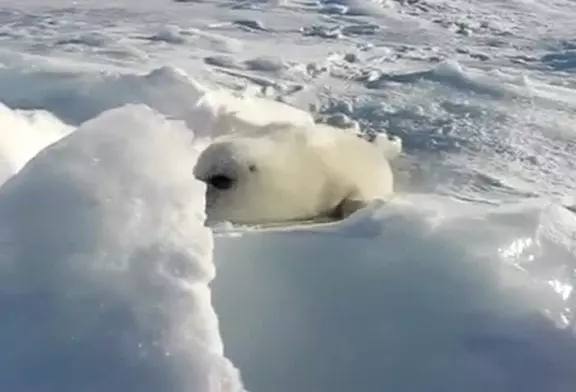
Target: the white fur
(298, 173)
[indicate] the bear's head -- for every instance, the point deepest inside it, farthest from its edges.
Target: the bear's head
(271, 175)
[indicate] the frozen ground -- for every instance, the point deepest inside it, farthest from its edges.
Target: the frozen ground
(464, 283)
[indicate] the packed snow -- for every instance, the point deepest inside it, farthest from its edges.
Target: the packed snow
(111, 281)
(106, 264)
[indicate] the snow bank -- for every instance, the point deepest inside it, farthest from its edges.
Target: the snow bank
(78, 97)
(426, 294)
(105, 265)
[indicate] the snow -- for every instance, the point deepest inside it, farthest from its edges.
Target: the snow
(391, 301)
(23, 134)
(463, 282)
(106, 264)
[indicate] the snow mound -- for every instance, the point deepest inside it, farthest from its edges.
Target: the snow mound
(105, 264)
(423, 294)
(78, 97)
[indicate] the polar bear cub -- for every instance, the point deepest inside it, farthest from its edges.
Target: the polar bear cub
(284, 172)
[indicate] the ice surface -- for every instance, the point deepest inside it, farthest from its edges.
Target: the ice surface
(105, 264)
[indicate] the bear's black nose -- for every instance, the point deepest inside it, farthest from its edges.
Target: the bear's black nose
(220, 181)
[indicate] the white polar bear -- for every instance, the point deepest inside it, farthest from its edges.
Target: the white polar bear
(284, 172)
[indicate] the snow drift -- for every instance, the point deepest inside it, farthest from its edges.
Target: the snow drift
(105, 264)
(423, 294)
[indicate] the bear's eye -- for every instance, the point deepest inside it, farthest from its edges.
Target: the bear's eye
(252, 168)
(220, 181)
